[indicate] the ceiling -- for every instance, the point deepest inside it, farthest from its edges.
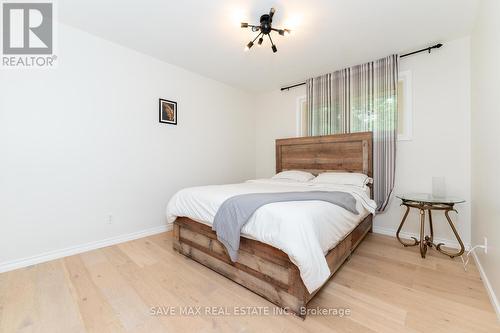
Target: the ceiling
(204, 36)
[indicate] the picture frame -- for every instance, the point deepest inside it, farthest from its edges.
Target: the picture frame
(167, 111)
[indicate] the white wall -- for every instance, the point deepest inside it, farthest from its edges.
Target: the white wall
(441, 137)
(485, 142)
(83, 141)
(276, 118)
(441, 134)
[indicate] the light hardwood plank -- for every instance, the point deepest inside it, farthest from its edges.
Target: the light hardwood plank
(96, 312)
(19, 301)
(3, 291)
(122, 297)
(55, 303)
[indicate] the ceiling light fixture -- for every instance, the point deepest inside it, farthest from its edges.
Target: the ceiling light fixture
(265, 28)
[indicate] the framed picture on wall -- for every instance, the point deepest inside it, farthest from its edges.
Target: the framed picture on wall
(168, 112)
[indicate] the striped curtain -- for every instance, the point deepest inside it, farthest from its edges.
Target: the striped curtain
(359, 99)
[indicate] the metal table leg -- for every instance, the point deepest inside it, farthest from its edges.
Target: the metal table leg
(462, 247)
(423, 243)
(415, 241)
(430, 239)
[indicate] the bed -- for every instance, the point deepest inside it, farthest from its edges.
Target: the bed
(273, 271)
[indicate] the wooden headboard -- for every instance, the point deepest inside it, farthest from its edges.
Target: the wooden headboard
(340, 152)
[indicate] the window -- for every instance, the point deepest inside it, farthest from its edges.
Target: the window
(405, 105)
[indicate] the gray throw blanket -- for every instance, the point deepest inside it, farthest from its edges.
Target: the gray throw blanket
(234, 213)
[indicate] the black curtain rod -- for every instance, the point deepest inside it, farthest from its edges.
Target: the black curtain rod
(428, 49)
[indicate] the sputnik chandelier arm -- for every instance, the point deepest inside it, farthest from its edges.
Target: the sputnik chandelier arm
(273, 47)
(265, 28)
(250, 44)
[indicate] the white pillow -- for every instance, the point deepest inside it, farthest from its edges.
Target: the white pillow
(343, 178)
(297, 175)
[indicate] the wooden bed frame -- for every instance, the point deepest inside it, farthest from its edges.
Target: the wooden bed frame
(266, 270)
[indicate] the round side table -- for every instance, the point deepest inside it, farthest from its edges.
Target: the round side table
(427, 202)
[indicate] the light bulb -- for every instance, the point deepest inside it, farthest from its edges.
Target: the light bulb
(249, 45)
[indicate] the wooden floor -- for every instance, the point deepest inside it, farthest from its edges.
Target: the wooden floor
(388, 288)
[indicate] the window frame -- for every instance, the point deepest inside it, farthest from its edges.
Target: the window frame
(298, 115)
(407, 133)
(406, 78)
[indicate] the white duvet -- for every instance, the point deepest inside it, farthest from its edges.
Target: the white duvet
(305, 230)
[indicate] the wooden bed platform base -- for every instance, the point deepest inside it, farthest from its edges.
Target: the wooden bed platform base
(261, 268)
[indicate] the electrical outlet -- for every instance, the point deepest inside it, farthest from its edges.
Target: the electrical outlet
(485, 245)
(109, 219)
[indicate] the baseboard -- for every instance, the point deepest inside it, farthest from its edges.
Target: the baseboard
(409, 235)
(56, 254)
(487, 285)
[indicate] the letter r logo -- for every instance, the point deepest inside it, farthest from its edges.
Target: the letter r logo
(27, 28)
